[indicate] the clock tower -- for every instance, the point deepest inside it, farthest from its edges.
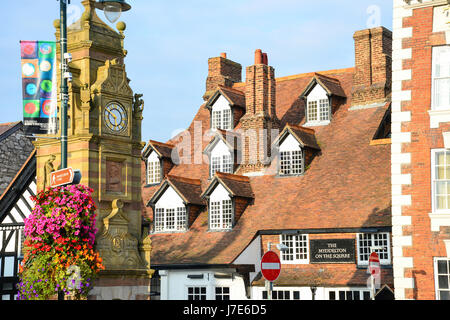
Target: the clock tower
(104, 143)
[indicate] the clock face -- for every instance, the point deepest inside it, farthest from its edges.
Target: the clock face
(115, 117)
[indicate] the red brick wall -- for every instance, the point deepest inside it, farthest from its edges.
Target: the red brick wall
(425, 244)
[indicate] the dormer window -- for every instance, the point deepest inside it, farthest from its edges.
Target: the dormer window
(221, 152)
(153, 169)
(296, 147)
(318, 107)
(320, 96)
(291, 157)
(227, 106)
(158, 161)
(175, 204)
(227, 196)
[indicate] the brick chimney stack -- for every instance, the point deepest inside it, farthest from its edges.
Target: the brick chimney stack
(221, 71)
(260, 117)
(373, 66)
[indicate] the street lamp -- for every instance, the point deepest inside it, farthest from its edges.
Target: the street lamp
(113, 9)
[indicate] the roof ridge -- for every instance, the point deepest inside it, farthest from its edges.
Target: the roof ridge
(294, 126)
(327, 77)
(302, 75)
(162, 143)
(231, 176)
(184, 179)
(231, 89)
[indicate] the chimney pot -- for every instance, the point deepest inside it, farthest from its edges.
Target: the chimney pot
(223, 55)
(265, 59)
(258, 56)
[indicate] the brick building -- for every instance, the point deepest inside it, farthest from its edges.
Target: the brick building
(420, 127)
(302, 161)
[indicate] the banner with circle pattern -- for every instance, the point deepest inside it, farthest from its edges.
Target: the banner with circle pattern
(38, 61)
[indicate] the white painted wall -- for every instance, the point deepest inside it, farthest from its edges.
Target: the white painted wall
(221, 104)
(289, 144)
(220, 149)
(170, 199)
(152, 157)
(251, 255)
(175, 283)
(317, 93)
(219, 194)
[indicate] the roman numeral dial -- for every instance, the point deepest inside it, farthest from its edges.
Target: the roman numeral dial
(115, 117)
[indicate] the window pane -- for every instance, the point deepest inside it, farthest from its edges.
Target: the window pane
(9, 267)
(215, 165)
(443, 282)
(444, 295)
(285, 162)
(324, 110)
(297, 295)
(312, 111)
(332, 295)
(442, 267)
(297, 162)
(227, 164)
(226, 120)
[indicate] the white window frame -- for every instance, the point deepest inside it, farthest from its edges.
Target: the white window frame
(222, 119)
(435, 210)
(217, 215)
(221, 163)
(153, 171)
(322, 107)
(162, 219)
(295, 166)
(386, 250)
(435, 78)
(295, 247)
(437, 274)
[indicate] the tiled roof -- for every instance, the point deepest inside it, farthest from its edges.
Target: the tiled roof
(188, 189)
(305, 136)
(235, 97)
(237, 185)
(5, 127)
(331, 85)
(346, 186)
(163, 150)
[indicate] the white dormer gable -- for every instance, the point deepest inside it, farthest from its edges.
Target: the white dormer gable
(170, 212)
(221, 158)
(169, 199)
(317, 107)
(289, 144)
(221, 115)
(219, 194)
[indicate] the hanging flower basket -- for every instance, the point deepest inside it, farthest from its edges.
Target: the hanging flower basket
(59, 247)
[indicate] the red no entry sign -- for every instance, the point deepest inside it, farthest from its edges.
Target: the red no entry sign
(374, 263)
(270, 266)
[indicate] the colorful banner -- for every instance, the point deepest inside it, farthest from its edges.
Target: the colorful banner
(39, 86)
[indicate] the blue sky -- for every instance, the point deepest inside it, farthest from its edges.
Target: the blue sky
(169, 43)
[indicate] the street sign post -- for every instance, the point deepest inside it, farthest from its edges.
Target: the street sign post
(374, 270)
(270, 269)
(64, 177)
